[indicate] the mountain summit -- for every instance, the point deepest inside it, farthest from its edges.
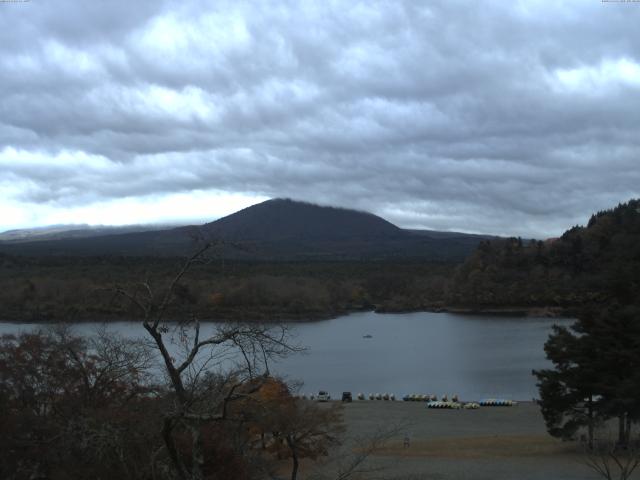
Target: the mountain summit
(285, 219)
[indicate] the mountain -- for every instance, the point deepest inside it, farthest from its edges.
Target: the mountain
(283, 219)
(58, 232)
(278, 229)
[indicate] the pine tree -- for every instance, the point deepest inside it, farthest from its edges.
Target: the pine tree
(596, 374)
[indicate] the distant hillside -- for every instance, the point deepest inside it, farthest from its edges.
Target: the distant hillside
(591, 264)
(277, 229)
(59, 232)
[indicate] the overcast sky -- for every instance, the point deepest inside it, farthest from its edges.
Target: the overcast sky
(506, 117)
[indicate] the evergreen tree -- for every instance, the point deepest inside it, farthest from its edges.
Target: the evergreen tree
(568, 392)
(596, 374)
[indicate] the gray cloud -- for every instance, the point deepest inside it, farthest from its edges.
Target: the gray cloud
(502, 117)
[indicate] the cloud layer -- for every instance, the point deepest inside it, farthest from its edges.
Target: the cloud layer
(515, 118)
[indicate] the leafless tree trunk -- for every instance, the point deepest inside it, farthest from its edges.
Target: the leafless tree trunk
(294, 457)
(257, 344)
(621, 425)
(590, 425)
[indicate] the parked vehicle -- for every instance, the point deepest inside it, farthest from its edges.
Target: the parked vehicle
(323, 396)
(346, 397)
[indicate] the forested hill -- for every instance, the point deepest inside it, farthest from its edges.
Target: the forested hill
(592, 264)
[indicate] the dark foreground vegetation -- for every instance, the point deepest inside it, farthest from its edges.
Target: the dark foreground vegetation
(79, 408)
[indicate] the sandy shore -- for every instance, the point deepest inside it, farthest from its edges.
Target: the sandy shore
(493, 443)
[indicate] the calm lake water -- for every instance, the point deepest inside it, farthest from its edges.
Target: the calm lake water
(439, 353)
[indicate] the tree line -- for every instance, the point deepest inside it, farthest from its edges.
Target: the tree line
(586, 266)
(81, 289)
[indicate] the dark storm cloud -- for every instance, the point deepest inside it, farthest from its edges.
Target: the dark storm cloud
(500, 117)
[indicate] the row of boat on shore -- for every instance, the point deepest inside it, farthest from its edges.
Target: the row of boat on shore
(432, 401)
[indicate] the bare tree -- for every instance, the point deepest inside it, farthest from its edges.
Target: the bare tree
(308, 430)
(612, 461)
(197, 403)
(355, 463)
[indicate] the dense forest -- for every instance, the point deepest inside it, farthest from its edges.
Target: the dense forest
(81, 289)
(586, 265)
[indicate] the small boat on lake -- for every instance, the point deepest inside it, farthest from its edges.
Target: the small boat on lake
(367, 336)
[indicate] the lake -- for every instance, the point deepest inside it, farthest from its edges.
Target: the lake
(474, 356)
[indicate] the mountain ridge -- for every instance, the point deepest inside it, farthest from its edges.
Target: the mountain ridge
(277, 229)
(58, 232)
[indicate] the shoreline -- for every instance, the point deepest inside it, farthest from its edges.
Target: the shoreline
(308, 317)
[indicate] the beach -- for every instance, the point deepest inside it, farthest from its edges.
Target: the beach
(496, 443)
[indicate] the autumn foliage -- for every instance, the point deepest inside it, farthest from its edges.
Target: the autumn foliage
(76, 408)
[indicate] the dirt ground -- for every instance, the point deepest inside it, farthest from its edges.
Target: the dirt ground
(493, 443)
